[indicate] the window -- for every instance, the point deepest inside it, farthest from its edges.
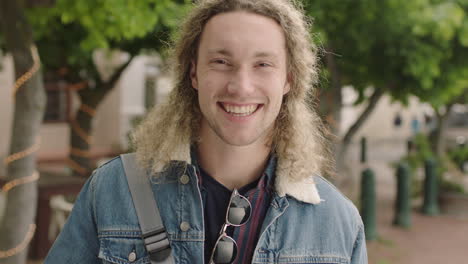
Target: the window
(58, 102)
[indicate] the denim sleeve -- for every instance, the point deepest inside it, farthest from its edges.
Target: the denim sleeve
(359, 251)
(78, 242)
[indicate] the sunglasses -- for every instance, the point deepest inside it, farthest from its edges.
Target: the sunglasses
(238, 214)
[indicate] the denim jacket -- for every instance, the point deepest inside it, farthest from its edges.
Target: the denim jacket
(300, 226)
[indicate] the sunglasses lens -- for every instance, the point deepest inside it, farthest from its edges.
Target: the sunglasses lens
(239, 210)
(225, 251)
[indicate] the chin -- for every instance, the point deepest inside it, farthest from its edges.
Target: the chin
(240, 141)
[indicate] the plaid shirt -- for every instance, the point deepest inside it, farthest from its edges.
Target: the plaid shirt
(247, 235)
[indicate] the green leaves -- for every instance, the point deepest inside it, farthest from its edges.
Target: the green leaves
(109, 20)
(418, 47)
(68, 32)
(463, 34)
(440, 21)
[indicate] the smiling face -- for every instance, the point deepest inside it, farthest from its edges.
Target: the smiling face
(241, 77)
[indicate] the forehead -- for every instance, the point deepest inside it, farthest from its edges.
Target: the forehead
(244, 33)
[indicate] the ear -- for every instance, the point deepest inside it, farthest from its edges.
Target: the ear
(287, 85)
(193, 75)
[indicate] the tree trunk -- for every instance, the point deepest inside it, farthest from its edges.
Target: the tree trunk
(80, 134)
(28, 113)
(438, 135)
(373, 100)
(331, 99)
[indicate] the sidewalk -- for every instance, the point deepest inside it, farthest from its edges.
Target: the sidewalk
(430, 240)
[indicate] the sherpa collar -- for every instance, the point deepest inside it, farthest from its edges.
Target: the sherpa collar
(304, 190)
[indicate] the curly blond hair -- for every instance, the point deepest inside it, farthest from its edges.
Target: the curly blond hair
(298, 135)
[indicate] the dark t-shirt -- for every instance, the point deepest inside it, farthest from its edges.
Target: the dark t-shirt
(215, 202)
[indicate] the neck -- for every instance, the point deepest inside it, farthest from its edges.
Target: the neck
(233, 166)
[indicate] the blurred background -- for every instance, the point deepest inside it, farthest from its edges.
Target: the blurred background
(77, 76)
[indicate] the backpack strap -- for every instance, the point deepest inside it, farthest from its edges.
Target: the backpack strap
(152, 228)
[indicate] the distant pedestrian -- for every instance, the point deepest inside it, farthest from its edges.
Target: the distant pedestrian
(415, 125)
(398, 120)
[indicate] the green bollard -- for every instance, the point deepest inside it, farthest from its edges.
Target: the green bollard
(363, 150)
(403, 200)
(368, 204)
(430, 206)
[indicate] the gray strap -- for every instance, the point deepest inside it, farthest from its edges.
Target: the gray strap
(152, 228)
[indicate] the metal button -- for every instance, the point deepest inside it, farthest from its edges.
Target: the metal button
(132, 256)
(184, 179)
(184, 226)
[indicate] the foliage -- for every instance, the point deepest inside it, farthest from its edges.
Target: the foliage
(417, 47)
(422, 152)
(459, 155)
(452, 187)
(398, 47)
(68, 32)
(104, 21)
(421, 145)
(444, 25)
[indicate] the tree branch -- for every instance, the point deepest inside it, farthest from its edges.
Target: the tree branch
(333, 68)
(373, 100)
(117, 73)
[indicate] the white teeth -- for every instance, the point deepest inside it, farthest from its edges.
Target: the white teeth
(240, 110)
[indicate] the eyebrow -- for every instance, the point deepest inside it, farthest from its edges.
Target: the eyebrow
(264, 54)
(259, 54)
(220, 52)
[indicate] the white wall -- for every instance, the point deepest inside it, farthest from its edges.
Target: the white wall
(380, 124)
(132, 89)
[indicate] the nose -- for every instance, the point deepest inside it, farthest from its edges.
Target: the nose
(241, 83)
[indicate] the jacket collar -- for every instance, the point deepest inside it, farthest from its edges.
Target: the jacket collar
(304, 190)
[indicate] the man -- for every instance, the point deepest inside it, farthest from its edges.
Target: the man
(237, 132)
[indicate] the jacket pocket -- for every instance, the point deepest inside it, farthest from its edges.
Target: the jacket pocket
(304, 259)
(123, 250)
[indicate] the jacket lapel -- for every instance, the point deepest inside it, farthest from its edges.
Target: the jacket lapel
(304, 190)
